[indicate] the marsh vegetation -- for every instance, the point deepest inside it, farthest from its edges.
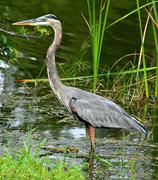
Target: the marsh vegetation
(109, 48)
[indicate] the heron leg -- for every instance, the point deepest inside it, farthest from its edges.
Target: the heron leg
(87, 132)
(90, 131)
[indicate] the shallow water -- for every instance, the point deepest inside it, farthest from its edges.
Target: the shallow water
(27, 106)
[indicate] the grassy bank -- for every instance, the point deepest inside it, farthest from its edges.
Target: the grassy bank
(24, 165)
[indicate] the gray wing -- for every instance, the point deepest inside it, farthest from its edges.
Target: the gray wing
(100, 112)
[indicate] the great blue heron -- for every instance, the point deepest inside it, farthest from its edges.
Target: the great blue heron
(91, 109)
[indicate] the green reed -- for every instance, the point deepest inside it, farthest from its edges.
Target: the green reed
(130, 13)
(153, 15)
(142, 51)
(154, 25)
(97, 23)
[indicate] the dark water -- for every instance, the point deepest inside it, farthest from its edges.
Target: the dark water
(29, 106)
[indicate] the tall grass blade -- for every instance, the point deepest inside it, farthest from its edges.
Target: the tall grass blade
(142, 54)
(108, 74)
(97, 23)
(130, 13)
(156, 45)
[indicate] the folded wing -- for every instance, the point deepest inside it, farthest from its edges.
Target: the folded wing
(101, 112)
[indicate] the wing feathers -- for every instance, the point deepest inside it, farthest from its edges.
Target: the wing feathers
(104, 113)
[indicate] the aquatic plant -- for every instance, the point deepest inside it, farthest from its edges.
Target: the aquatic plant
(97, 22)
(26, 164)
(155, 27)
(97, 25)
(142, 53)
(152, 15)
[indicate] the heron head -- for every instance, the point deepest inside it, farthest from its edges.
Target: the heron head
(45, 20)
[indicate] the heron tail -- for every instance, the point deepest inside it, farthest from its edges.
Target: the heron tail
(142, 128)
(136, 125)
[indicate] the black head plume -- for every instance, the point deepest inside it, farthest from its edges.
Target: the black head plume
(50, 16)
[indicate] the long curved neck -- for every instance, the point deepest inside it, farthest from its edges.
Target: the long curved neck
(53, 76)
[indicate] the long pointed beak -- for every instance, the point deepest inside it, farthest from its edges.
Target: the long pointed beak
(32, 22)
